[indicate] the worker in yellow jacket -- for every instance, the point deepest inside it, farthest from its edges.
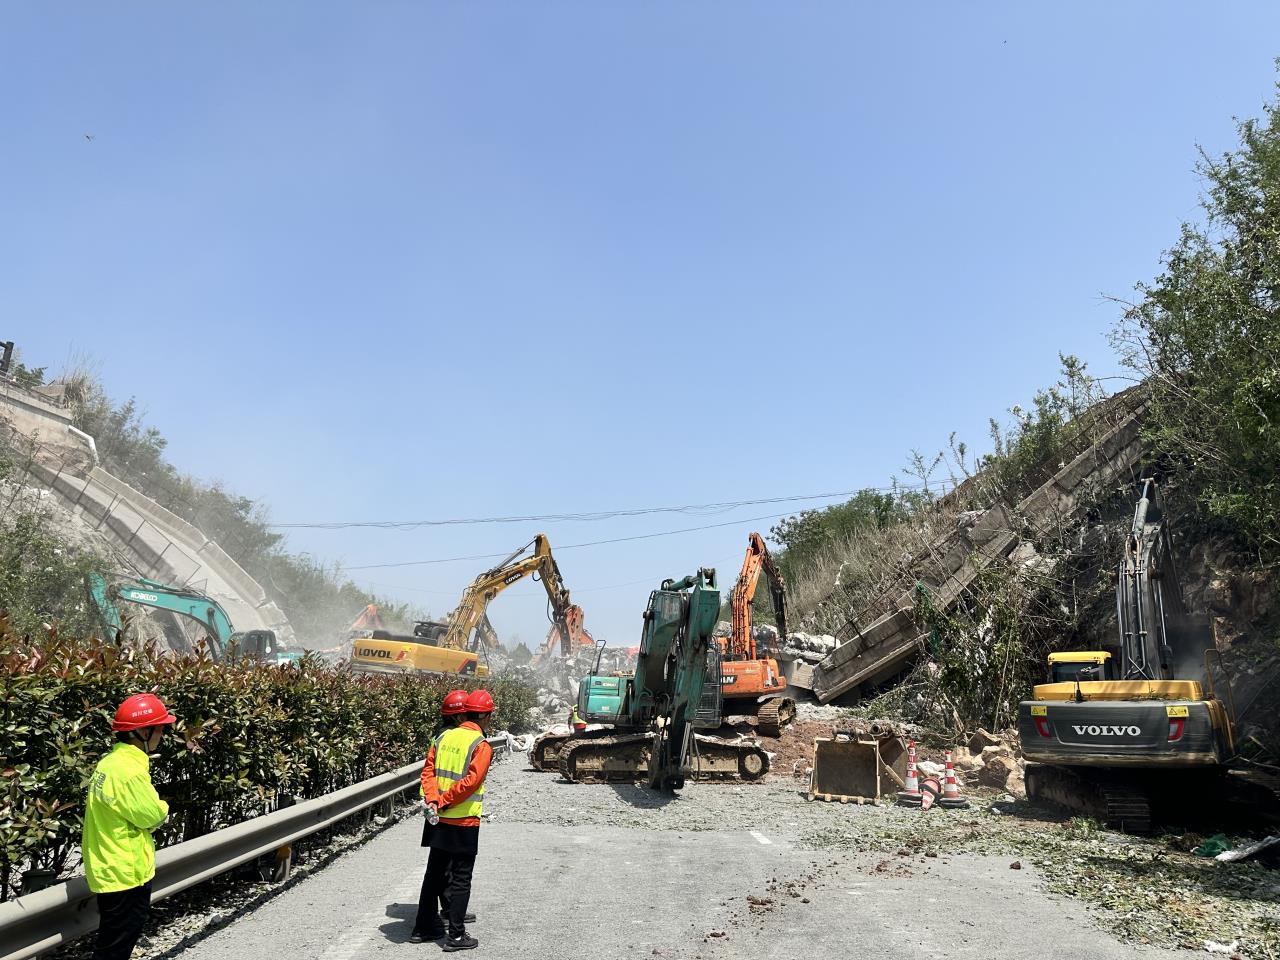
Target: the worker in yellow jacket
(121, 811)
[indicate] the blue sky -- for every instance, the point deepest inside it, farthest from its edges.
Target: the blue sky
(435, 260)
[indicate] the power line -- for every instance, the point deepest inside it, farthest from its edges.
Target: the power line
(570, 546)
(583, 517)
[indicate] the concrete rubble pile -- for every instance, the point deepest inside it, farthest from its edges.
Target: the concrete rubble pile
(556, 680)
(811, 647)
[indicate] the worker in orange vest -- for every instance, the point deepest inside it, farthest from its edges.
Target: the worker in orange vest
(120, 813)
(453, 787)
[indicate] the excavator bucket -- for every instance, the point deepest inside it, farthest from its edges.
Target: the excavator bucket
(845, 770)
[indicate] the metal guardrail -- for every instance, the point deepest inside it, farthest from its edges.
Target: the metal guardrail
(48, 918)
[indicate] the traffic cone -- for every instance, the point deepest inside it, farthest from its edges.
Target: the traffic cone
(911, 796)
(951, 798)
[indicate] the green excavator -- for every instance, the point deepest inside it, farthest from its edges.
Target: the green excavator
(653, 713)
(223, 640)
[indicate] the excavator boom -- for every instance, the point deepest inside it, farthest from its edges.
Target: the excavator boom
(189, 604)
(752, 681)
(533, 559)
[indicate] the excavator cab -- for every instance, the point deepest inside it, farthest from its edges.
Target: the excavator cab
(1073, 666)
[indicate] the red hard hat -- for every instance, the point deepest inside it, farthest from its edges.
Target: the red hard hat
(455, 702)
(142, 710)
(479, 702)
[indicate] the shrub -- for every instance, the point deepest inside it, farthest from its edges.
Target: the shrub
(247, 735)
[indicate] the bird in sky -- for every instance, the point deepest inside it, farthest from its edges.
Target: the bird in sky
(88, 136)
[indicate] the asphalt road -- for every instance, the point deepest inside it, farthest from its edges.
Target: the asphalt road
(570, 871)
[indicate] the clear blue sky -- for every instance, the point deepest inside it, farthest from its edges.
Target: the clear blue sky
(433, 260)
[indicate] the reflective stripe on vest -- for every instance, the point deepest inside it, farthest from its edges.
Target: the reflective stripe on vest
(454, 751)
(435, 745)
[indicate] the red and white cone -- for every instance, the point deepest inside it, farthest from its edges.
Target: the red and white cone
(951, 798)
(911, 796)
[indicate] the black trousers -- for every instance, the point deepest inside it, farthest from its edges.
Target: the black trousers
(121, 916)
(448, 877)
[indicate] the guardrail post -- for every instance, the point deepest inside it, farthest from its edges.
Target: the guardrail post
(284, 855)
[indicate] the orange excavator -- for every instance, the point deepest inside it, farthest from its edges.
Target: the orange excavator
(749, 681)
(368, 621)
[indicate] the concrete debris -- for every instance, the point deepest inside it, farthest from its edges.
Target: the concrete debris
(1227, 949)
(928, 768)
(811, 647)
(1266, 850)
(861, 727)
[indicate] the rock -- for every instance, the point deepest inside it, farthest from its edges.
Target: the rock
(1016, 783)
(981, 740)
(966, 762)
(996, 772)
(991, 753)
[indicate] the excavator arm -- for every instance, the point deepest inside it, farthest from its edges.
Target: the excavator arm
(672, 670)
(742, 645)
(534, 558)
(149, 593)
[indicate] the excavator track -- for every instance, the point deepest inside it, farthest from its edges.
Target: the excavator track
(544, 755)
(625, 759)
(1123, 804)
(774, 714)
(1128, 808)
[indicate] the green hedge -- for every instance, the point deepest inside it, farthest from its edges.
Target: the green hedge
(246, 735)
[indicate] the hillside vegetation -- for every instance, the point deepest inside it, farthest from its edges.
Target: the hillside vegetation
(1203, 342)
(318, 600)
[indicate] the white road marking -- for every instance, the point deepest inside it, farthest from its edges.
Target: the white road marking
(361, 932)
(761, 838)
(581, 840)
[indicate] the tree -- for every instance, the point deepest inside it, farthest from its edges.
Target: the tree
(811, 532)
(1206, 335)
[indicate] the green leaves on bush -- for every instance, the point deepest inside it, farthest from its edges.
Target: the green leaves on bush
(247, 735)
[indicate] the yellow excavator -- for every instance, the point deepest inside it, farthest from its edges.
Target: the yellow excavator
(1106, 732)
(453, 646)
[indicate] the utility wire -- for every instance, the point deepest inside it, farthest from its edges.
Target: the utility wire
(569, 546)
(586, 517)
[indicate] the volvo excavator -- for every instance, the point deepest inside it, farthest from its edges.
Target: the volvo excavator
(750, 682)
(223, 640)
(452, 646)
(1109, 725)
(652, 714)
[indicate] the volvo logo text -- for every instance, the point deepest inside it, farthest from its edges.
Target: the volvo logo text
(1094, 730)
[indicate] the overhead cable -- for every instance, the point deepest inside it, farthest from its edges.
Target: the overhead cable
(584, 517)
(570, 546)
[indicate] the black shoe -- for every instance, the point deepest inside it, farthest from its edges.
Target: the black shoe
(469, 918)
(463, 942)
(419, 937)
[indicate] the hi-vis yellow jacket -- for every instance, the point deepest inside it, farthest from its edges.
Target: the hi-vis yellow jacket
(453, 753)
(121, 810)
